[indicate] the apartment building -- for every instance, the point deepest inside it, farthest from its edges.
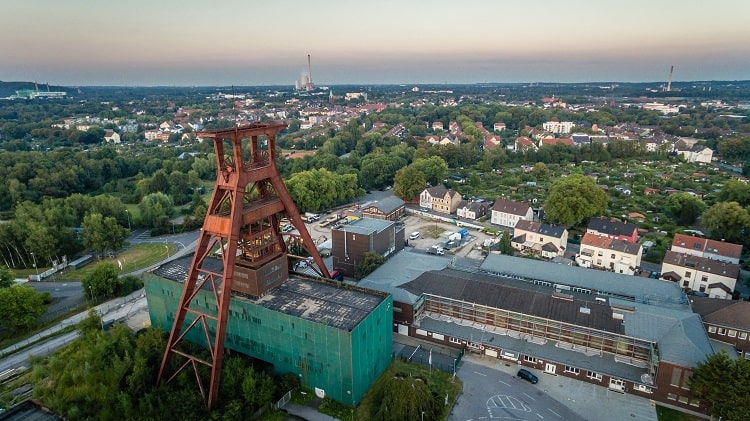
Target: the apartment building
(601, 252)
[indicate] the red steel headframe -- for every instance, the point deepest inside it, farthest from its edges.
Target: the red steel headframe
(241, 201)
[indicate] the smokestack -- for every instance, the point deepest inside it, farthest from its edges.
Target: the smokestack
(309, 71)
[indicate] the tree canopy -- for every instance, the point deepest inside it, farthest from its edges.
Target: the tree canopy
(574, 198)
(685, 207)
(727, 221)
(724, 383)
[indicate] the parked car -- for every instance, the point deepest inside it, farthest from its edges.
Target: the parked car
(414, 235)
(528, 376)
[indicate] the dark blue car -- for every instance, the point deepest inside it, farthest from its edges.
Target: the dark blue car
(526, 375)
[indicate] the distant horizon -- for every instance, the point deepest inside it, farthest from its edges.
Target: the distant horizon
(391, 42)
(409, 85)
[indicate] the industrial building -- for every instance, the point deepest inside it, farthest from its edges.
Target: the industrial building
(351, 241)
(628, 334)
(336, 338)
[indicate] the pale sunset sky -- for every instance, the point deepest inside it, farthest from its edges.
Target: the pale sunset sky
(241, 42)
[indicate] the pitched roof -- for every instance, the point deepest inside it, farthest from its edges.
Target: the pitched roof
(702, 264)
(603, 242)
(707, 246)
(538, 227)
(509, 206)
(388, 204)
(723, 312)
(611, 227)
(514, 296)
(437, 191)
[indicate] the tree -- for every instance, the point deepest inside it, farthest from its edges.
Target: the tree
(433, 168)
(574, 198)
(155, 210)
(20, 307)
(540, 171)
(724, 383)
(408, 183)
(102, 234)
(368, 264)
(734, 191)
(726, 221)
(6, 277)
(505, 247)
(404, 397)
(685, 207)
(103, 281)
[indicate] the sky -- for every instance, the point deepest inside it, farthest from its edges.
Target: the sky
(241, 42)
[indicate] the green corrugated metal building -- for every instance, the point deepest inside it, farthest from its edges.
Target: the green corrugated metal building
(337, 339)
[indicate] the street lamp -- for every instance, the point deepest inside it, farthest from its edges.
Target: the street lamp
(128, 214)
(92, 293)
(35, 266)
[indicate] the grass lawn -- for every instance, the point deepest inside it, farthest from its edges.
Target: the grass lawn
(668, 414)
(136, 257)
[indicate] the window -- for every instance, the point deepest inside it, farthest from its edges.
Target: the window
(594, 375)
(722, 331)
(687, 274)
(671, 396)
(695, 402)
(682, 399)
(732, 333)
(569, 369)
(529, 359)
(642, 388)
(455, 340)
(712, 329)
(676, 374)
(743, 335)
(612, 256)
(686, 283)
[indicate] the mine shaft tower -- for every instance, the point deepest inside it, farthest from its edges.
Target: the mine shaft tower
(242, 226)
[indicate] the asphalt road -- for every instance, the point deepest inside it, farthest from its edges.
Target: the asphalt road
(493, 394)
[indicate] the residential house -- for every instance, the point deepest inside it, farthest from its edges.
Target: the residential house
(602, 252)
(552, 141)
(523, 144)
(111, 136)
(437, 125)
(547, 241)
(498, 127)
(507, 213)
(697, 153)
(715, 278)
(613, 228)
(350, 242)
(704, 247)
(471, 210)
(726, 321)
(390, 208)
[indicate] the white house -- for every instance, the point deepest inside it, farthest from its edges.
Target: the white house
(599, 251)
(507, 213)
(715, 278)
(547, 241)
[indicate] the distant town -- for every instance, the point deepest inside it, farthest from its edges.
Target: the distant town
(592, 233)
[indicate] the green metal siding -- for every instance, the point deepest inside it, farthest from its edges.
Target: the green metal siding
(344, 364)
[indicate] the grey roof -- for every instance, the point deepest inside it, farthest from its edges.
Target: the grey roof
(516, 296)
(315, 300)
(604, 364)
(388, 204)
(729, 313)
(401, 268)
(702, 264)
(556, 231)
(437, 191)
(606, 226)
(636, 288)
(366, 226)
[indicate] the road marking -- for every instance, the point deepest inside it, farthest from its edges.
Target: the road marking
(554, 412)
(481, 374)
(501, 382)
(529, 396)
(540, 416)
